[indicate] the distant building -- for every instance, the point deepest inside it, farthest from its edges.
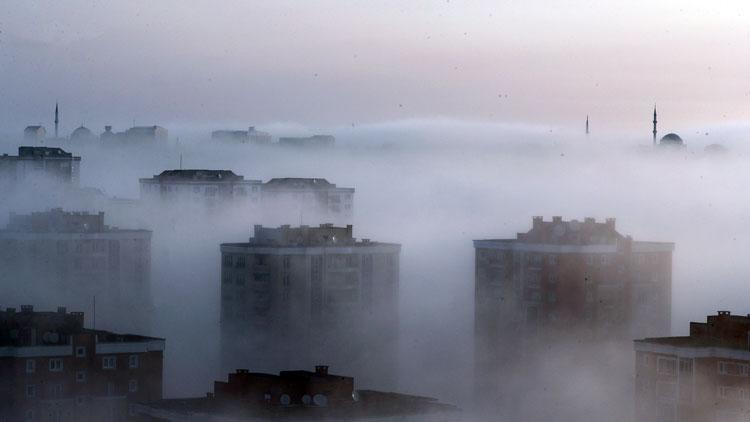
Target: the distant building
(308, 200)
(108, 137)
(296, 395)
(567, 280)
(34, 133)
(74, 259)
(251, 135)
(203, 187)
(37, 164)
(82, 134)
(146, 133)
(310, 141)
(54, 369)
(295, 296)
(701, 377)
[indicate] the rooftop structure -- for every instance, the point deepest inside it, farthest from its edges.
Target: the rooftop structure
(206, 187)
(704, 376)
(34, 133)
(296, 395)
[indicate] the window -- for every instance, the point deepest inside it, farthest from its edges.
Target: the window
(589, 260)
(55, 365)
(686, 366)
(80, 352)
(30, 391)
(666, 366)
(110, 388)
(109, 362)
(57, 390)
(81, 376)
(133, 386)
(240, 262)
(733, 369)
(133, 361)
(30, 366)
(227, 260)
(552, 259)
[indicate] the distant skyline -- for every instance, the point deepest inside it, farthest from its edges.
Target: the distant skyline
(334, 63)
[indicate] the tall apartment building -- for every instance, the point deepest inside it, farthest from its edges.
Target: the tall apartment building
(566, 280)
(39, 164)
(703, 377)
(296, 296)
(307, 201)
(75, 260)
(54, 369)
(204, 187)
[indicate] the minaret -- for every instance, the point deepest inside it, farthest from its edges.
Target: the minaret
(57, 119)
(654, 125)
(587, 124)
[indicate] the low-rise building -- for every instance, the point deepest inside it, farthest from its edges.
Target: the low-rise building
(315, 141)
(702, 377)
(34, 133)
(296, 296)
(38, 165)
(74, 259)
(252, 136)
(54, 369)
(296, 395)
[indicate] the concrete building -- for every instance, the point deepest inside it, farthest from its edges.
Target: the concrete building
(202, 187)
(296, 296)
(566, 281)
(37, 165)
(34, 133)
(315, 141)
(702, 377)
(54, 369)
(307, 200)
(297, 395)
(151, 134)
(251, 136)
(75, 260)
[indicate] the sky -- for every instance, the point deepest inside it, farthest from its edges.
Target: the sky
(332, 63)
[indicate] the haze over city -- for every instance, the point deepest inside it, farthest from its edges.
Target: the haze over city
(515, 209)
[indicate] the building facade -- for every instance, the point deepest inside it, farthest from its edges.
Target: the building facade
(307, 200)
(251, 136)
(74, 259)
(39, 164)
(566, 281)
(200, 187)
(296, 296)
(54, 369)
(703, 377)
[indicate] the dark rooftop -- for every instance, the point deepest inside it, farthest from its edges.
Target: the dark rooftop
(298, 183)
(199, 175)
(43, 152)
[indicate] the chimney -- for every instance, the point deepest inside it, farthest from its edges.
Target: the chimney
(321, 370)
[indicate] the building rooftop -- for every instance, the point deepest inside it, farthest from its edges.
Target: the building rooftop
(198, 175)
(58, 221)
(27, 328)
(722, 330)
(298, 183)
(304, 236)
(29, 152)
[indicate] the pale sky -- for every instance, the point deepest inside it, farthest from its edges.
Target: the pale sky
(327, 63)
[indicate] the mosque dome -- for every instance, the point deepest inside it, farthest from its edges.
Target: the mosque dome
(81, 132)
(671, 139)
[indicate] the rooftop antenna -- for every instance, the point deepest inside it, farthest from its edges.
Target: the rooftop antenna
(587, 124)
(93, 315)
(180, 161)
(654, 124)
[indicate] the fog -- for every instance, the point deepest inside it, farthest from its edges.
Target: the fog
(433, 186)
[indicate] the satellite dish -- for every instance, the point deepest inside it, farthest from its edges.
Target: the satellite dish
(306, 400)
(285, 400)
(355, 395)
(320, 400)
